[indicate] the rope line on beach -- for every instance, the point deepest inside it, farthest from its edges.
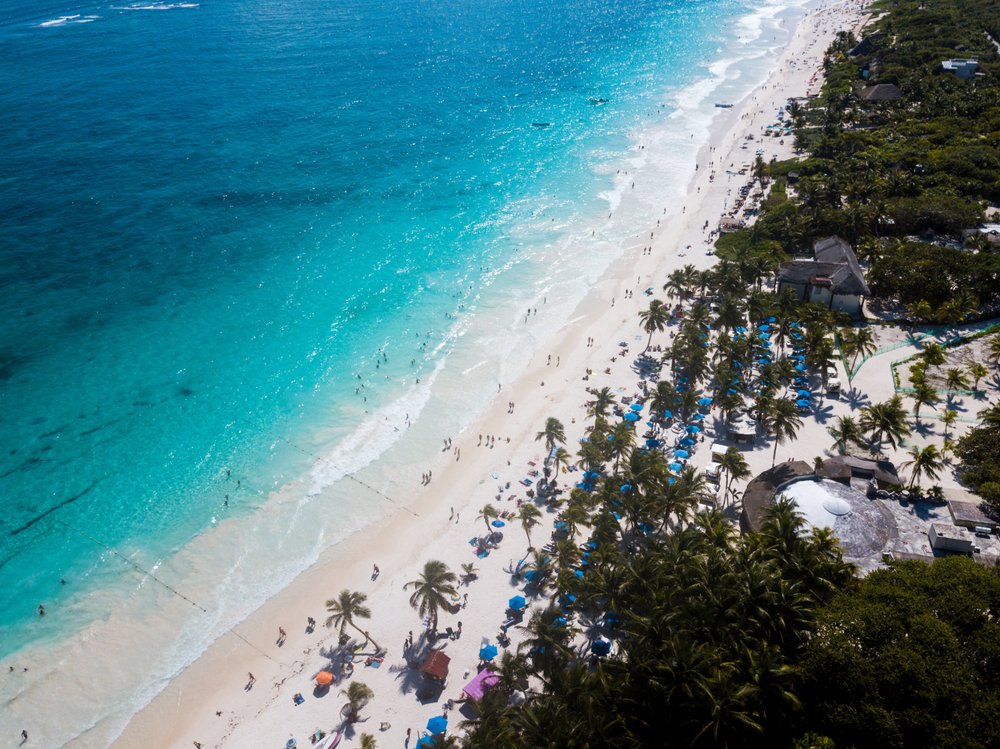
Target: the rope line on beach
(232, 630)
(347, 474)
(130, 562)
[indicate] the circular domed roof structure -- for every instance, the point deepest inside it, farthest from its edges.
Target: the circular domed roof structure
(863, 527)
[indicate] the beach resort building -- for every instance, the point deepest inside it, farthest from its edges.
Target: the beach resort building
(963, 68)
(832, 278)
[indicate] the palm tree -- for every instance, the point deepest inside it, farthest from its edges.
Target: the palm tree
(347, 607)
(735, 466)
(919, 312)
(977, 372)
(923, 395)
(528, 515)
(925, 461)
(994, 350)
(358, 695)
(488, 513)
(654, 320)
(561, 459)
(859, 342)
(469, 572)
(604, 399)
(782, 420)
(845, 432)
(948, 418)
(432, 590)
(955, 379)
(885, 422)
(933, 354)
(676, 285)
(553, 433)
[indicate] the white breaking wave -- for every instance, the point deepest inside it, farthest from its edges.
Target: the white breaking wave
(65, 20)
(158, 6)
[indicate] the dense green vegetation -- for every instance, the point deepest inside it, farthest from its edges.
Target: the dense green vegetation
(887, 176)
(979, 451)
(710, 624)
(911, 657)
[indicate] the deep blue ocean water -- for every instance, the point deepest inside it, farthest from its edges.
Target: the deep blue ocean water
(215, 215)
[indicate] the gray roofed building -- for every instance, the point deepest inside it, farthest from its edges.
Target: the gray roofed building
(832, 278)
(881, 92)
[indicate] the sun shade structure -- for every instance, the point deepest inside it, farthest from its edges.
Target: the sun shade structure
(481, 684)
(437, 724)
(324, 678)
(517, 603)
(436, 665)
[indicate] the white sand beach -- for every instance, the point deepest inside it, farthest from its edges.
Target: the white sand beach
(208, 703)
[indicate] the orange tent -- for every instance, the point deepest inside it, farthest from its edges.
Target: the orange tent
(324, 678)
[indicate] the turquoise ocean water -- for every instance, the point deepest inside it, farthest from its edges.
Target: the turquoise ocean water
(235, 234)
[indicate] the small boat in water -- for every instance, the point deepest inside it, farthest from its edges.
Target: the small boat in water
(598, 101)
(541, 124)
(720, 105)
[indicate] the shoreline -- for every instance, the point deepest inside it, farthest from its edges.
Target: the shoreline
(185, 710)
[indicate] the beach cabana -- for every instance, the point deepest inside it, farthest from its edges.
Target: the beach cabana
(435, 665)
(476, 689)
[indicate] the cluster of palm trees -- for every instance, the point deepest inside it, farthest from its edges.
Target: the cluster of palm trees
(706, 625)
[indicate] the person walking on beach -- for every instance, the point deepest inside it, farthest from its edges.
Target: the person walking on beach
(250, 681)
(281, 636)
(375, 571)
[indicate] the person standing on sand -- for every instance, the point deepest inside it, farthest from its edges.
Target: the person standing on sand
(375, 571)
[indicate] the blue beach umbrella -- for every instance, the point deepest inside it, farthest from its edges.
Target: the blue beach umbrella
(687, 442)
(698, 417)
(682, 454)
(625, 488)
(803, 393)
(652, 443)
(530, 576)
(705, 401)
(800, 368)
(488, 653)
(437, 724)
(559, 621)
(668, 414)
(517, 603)
(600, 647)
(675, 466)
(671, 480)
(631, 416)
(797, 357)
(424, 742)
(740, 329)
(591, 474)
(636, 406)
(772, 318)
(498, 524)
(694, 429)
(578, 573)
(803, 403)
